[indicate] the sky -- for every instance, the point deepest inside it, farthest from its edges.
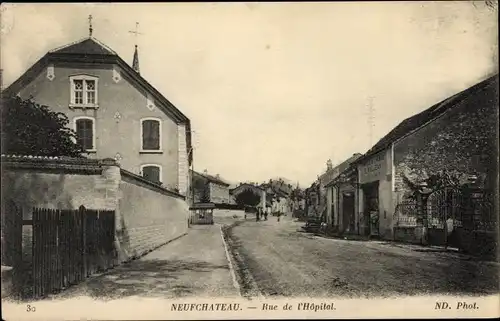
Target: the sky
(277, 89)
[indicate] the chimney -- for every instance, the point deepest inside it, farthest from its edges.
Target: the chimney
(205, 172)
(217, 176)
(329, 165)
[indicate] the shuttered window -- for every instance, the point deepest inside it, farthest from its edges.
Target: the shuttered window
(151, 134)
(85, 132)
(152, 173)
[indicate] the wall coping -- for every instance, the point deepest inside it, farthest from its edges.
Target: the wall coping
(56, 163)
(149, 184)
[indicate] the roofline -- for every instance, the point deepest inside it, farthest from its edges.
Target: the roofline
(466, 93)
(49, 57)
(232, 189)
(82, 40)
(349, 170)
(211, 178)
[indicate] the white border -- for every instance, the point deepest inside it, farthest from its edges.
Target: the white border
(155, 165)
(94, 147)
(160, 150)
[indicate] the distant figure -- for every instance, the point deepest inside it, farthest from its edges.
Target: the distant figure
(279, 215)
(265, 214)
(257, 215)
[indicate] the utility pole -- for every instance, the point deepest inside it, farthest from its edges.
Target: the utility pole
(371, 120)
(190, 153)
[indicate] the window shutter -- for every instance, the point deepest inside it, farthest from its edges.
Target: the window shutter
(151, 135)
(84, 130)
(151, 173)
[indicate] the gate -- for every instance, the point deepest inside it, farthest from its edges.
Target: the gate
(12, 230)
(445, 211)
(68, 246)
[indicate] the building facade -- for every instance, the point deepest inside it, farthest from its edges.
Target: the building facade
(375, 206)
(250, 188)
(331, 191)
(115, 112)
(208, 188)
(342, 201)
(455, 139)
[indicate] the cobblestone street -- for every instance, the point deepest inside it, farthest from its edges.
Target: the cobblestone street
(286, 262)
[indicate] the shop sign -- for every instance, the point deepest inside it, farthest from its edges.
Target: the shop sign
(374, 169)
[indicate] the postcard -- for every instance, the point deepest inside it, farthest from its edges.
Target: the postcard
(180, 161)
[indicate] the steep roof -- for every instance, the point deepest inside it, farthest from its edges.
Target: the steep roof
(416, 121)
(211, 178)
(92, 51)
(86, 46)
(246, 185)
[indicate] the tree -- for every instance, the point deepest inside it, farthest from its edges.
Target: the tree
(31, 129)
(248, 198)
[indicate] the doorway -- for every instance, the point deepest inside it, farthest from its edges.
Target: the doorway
(348, 211)
(371, 209)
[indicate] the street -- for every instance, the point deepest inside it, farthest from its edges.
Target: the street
(194, 265)
(285, 262)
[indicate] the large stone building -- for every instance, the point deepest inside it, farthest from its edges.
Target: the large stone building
(114, 110)
(458, 136)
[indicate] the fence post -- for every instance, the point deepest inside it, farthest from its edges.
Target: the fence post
(81, 214)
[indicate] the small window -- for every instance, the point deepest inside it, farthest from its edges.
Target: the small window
(83, 91)
(85, 131)
(151, 134)
(151, 173)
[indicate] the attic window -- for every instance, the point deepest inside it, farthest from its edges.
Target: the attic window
(83, 91)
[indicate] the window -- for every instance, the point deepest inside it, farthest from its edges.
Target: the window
(85, 131)
(83, 91)
(151, 135)
(151, 172)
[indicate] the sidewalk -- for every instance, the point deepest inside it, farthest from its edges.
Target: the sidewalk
(192, 266)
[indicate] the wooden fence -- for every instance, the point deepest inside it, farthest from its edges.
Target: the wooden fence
(69, 246)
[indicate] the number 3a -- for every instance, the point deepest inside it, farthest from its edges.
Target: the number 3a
(30, 308)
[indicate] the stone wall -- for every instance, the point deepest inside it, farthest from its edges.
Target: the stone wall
(463, 141)
(219, 194)
(62, 183)
(147, 215)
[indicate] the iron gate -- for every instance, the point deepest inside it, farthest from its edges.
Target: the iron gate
(445, 213)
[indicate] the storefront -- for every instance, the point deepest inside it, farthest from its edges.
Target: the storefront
(375, 195)
(342, 201)
(371, 210)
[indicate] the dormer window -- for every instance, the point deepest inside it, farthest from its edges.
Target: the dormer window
(83, 91)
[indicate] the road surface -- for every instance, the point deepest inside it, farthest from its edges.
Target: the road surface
(285, 262)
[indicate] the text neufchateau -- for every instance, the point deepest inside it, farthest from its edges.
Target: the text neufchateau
(206, 307)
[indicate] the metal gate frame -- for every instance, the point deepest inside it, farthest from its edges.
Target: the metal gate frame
(446, 209)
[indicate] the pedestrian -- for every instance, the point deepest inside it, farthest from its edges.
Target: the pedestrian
(257, 215)
(278, 214)
(265, 214)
